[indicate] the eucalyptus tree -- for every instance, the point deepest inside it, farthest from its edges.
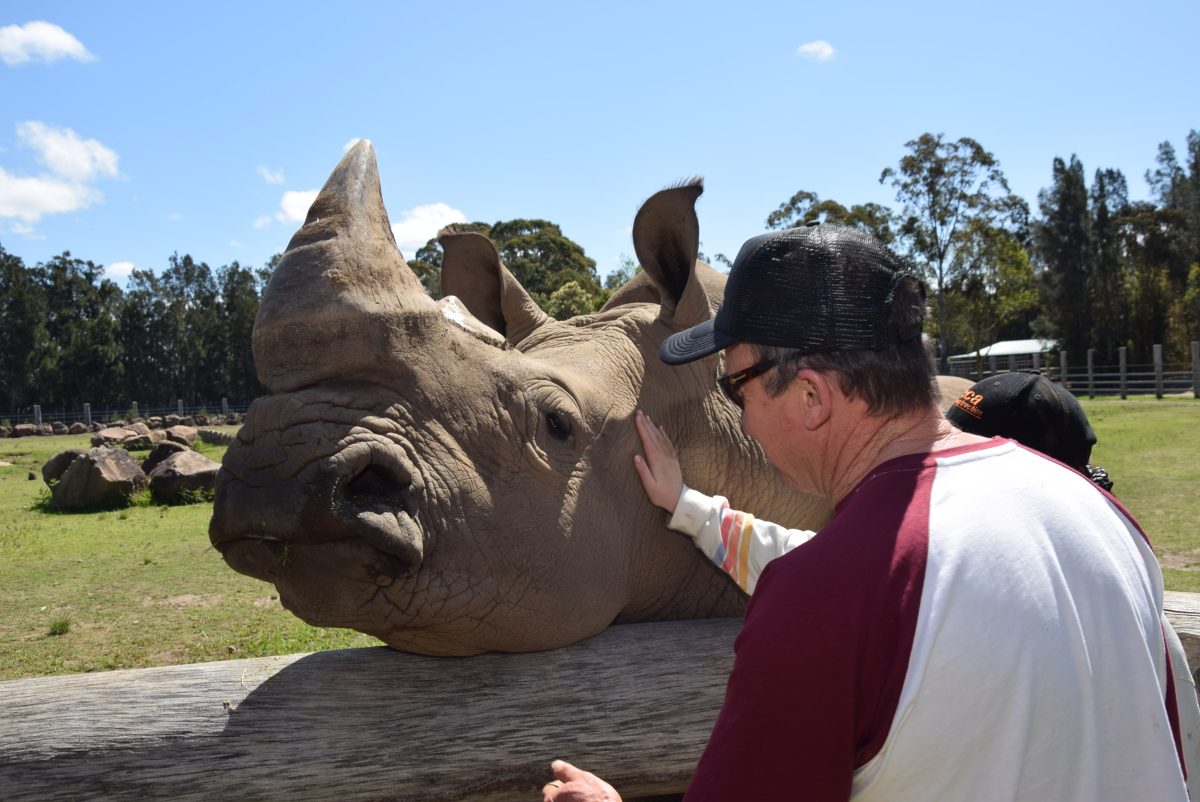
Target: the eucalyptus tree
(536, 252)
(805, 207)
(146, 337)
(948, 192)
(1063, 237)
(1107, 293)
(24, 340)
(193, 328)
(238, 304)
(82, 321)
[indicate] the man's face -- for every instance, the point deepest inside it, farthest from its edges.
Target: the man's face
(769, 420)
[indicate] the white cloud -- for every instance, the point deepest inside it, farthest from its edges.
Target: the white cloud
(234, 244)
(417, 226)
(262, 222)
(39, 41)
(174, 216)
(66, 154)
(74, 163)
(820, 50)
(28, 199)
(119, 270)
(269, 175)
(25, 230)
(294, 205)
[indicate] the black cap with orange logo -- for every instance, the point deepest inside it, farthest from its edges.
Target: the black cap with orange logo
(1031, 409)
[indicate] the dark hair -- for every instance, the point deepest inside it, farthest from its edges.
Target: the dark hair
(893, 381)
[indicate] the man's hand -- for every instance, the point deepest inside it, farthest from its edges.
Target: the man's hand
(659, 469)
(576, 785)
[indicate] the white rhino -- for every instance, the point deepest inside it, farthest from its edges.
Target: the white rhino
(456, 477)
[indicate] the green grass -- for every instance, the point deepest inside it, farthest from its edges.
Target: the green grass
(128, 588)
(1151, 450)
(142, 586)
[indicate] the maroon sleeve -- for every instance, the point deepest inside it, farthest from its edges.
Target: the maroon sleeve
(820, 662)
(783, 734)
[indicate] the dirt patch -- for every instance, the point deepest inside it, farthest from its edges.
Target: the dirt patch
(1180, 562)
(266, 601)
(4, 464)
(172, 656)
(189, 600)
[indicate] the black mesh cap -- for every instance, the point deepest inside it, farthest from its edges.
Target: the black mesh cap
(1030, 409)
(816, 288)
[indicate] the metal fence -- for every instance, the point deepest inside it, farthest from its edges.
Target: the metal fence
(88, 413)
(1082, 376)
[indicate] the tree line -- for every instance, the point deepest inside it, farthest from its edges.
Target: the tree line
(68, 335)
(1089, 269)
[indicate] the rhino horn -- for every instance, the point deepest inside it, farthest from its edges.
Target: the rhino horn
(331, 305)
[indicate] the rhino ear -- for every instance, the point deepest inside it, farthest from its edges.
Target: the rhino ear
(472, 270)
(666, 238)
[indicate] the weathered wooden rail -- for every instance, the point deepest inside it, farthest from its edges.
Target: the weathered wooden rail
(635, 704)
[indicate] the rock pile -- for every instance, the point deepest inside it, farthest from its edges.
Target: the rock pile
(107, 477)
(152, 423)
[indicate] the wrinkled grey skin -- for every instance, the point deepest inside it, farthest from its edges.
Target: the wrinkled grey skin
(458, 481)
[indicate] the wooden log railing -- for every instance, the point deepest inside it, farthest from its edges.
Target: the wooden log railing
(635, 704)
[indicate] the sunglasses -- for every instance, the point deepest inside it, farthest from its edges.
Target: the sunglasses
(732, 384)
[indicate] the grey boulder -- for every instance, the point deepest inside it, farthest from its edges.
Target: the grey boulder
(101, 478)
(181, 474)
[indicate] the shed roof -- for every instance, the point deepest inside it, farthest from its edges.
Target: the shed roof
(1010, 348)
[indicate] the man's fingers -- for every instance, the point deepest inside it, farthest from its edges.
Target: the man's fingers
(564, 771)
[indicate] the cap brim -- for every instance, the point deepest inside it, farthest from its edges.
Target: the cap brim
(694, 343)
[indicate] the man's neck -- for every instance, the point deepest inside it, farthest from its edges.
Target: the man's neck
(868, 442)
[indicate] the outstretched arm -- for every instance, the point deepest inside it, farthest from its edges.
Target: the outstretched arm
(736, 542)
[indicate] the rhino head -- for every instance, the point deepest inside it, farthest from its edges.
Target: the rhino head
(456, 477)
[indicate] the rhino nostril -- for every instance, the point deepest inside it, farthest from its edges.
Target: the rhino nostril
(379, 488)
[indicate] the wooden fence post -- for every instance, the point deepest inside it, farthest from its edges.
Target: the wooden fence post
(1091, 362)
(1122, 354)
(1196, 368)
(179, 406)
(1158, 371)
(992, 366)
(1063, 373)
(225, 407)
(1012, 362)
(134, 409)
(37, 414)
(1037, 361)
(87, 414)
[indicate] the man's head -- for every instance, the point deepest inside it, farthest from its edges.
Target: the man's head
(826, 298)
(1030, 409)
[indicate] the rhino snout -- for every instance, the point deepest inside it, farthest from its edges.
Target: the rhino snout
(367, 490)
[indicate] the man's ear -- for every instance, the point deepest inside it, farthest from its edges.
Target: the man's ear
(813, 393)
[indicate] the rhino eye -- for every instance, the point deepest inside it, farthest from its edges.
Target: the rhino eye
(558, 426)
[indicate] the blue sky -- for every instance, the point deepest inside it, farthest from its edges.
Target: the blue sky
(131, 131)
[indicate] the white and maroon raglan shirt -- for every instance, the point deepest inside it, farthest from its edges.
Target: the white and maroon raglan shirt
(979, 623)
